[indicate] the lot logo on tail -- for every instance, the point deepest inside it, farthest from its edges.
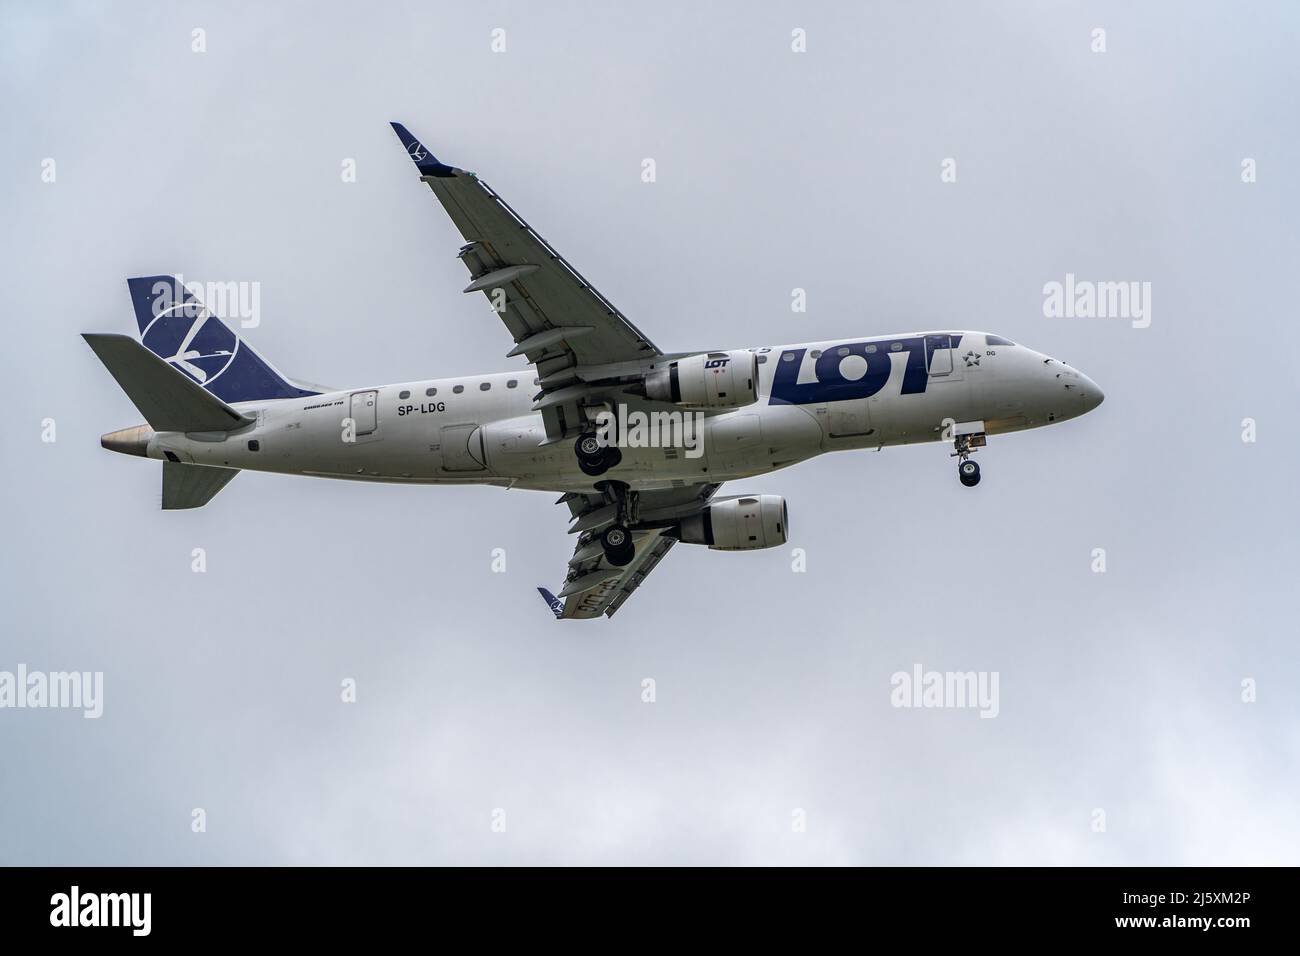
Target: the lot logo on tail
(187, 336)
(180, 329)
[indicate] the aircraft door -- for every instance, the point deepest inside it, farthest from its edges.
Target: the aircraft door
(363, 411)
(938, 354)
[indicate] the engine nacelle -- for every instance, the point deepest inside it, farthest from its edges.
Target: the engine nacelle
(708, 380)
(740, 524)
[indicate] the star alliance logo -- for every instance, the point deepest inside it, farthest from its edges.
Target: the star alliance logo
(971, 359)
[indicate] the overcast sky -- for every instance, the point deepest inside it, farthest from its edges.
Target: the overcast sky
(1119, 691)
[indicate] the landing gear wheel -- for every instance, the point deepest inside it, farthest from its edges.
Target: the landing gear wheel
(617, 542)
(969, 473)
(594, 458)
(589, 448)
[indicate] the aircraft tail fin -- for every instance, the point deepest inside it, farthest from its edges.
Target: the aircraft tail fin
(192, 486)
(555, 604)
(184, 333)
(168, 400)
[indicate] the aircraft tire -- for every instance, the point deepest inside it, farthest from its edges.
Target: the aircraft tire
(617, 542)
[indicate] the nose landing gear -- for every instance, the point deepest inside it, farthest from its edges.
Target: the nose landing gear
(968, 472)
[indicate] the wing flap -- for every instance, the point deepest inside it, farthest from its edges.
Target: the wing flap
(595, 600)
(593, 587)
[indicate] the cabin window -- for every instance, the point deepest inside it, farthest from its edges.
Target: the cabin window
(430, 392)
(458, 389)
(484, 386)
(403, 394)
(513, 383)
(816, 353)
(896, 347)
(762, 360)
(842, 351)
(787, 357)
(871, 350)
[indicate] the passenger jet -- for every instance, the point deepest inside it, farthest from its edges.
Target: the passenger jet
(635, 440)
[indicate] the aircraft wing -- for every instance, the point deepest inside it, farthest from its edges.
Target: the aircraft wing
(593, 586)
(557, 319)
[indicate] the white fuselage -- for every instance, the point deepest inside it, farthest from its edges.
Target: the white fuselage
(482, 429)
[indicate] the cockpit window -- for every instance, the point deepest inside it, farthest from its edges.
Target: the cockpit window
(998, 340)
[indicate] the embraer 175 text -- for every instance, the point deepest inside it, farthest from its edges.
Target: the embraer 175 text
(589, 421)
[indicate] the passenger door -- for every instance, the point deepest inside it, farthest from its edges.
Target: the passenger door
(363, 411)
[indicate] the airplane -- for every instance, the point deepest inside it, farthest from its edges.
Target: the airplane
(636, 441)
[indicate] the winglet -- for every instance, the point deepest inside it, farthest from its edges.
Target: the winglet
(556, 605)
(425, 161)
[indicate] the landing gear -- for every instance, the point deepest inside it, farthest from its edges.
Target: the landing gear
(617, 543)
(594, 458)
(616, 540)
(968, 472)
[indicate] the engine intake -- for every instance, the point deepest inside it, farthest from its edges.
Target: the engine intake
(707, 380)
(740, 524)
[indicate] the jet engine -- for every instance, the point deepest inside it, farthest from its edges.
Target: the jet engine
(708, 380)
(739, 524)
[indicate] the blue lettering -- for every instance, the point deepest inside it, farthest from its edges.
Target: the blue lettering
(832, 386)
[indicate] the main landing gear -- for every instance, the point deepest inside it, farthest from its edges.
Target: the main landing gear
(594, 458)
(616, 540)
(968, 472)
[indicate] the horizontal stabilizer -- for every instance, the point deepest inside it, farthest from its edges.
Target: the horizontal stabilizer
(168, 400)
(192, 486)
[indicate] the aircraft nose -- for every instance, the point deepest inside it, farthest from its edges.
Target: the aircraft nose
(1092, 393)
(129, 441)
